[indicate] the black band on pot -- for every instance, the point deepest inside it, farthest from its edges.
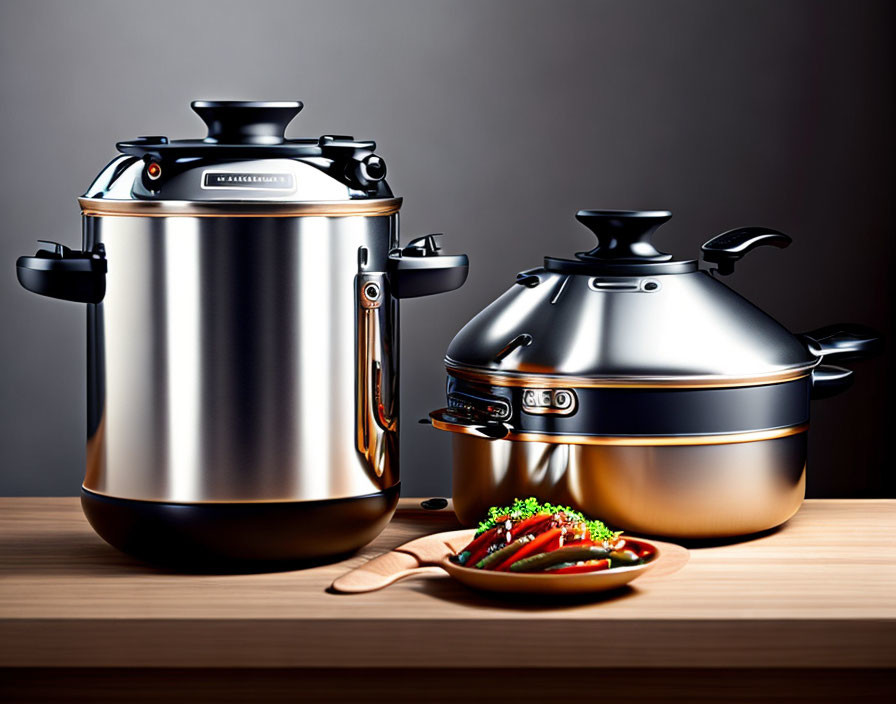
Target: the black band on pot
(649, 412)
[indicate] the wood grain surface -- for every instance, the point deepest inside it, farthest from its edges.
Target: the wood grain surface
(818, 593)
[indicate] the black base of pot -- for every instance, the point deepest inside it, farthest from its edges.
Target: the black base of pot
(239, 536)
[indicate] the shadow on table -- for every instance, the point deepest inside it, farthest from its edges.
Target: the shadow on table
(81, 555)
(446, 589)
(64, 554)
(699, 543)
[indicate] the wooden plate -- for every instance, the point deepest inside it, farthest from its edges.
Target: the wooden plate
(425, 555)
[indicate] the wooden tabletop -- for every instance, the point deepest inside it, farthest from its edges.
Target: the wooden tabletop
(820, 592)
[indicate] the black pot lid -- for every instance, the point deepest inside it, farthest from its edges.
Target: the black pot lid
(626, 313)
(245, 157)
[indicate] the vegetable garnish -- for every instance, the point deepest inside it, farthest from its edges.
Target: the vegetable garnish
(526, 508)
(533, 537)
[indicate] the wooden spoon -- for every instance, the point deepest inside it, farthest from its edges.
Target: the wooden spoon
(418, 557)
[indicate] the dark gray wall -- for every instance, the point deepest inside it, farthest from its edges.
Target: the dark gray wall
(498, 121)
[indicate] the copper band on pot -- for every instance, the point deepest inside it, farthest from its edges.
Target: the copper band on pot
(244, 209)
(548, 381)
(633, 440)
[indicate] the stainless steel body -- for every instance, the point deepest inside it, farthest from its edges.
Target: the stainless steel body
(688, 491)
(242, 330)
(696, 330)
(225, 358)
(639, 389)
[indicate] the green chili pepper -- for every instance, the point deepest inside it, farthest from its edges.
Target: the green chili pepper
(624, 558)
(572, 553)
(498, 556)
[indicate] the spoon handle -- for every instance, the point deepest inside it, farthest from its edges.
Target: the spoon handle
(381, 572)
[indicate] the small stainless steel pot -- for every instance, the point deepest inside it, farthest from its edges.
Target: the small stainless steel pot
(242, 330)
(639, 389)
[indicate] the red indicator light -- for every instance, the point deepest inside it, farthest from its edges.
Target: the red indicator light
(153, 170)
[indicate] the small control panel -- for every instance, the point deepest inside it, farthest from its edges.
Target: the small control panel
(559, 401)
(491, 408)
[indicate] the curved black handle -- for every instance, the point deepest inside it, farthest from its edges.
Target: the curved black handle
(844, 341)
(828, 380)
(624, 235)
(449, 419)
(246, 121)
(419, 269)
(59, 272)
(726, 249)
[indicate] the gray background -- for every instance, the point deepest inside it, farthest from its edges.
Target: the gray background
(498, 121)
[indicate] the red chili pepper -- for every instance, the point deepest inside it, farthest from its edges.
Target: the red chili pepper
(589, 566)
(478, 541)
(642, 550)
(547, 541)
(532, 525)
(479, 547)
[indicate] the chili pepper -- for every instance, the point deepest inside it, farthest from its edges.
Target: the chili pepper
(549, 540)
(478, 549)
(480, 539)
(579, 568)
(644, 551)
(622, 558)
(499, 555)
(532, 525)
(540, 561)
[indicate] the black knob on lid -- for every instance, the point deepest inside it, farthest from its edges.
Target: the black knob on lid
(246, 122)
(624, 235)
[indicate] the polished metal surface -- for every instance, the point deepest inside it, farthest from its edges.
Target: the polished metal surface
(245, 157)
(476, 430)
(689, 329)
(556, 381)
(250, 209)
(223, 360)
(691, 491)
(120, 180)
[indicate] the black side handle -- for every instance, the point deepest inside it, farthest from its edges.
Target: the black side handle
(450, 419)
(845, 341)
(726, 249)
(828, 380)
(841, 342)
(419, 269)
(60, 272)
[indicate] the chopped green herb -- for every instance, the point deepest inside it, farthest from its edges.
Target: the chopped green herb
(522, 509)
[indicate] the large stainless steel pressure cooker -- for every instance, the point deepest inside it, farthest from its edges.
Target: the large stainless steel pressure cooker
(242, 329)
(639, 389)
